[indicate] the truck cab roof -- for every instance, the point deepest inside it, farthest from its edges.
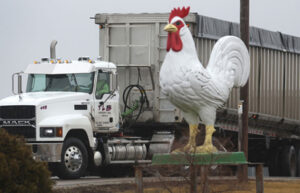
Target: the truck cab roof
(69, 67)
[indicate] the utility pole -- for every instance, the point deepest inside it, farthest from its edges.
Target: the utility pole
(244, 92)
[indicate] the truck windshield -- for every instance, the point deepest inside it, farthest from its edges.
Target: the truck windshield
(82, 82)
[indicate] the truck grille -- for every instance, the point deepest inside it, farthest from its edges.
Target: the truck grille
(19, 120)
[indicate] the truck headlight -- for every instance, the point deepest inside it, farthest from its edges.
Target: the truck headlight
(51, 132)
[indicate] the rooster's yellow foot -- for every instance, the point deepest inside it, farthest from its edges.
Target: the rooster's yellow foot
(207, 147)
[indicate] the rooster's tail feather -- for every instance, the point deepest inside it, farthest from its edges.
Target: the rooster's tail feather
(230, 59)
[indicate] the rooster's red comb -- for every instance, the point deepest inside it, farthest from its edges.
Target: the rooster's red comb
(179, 12)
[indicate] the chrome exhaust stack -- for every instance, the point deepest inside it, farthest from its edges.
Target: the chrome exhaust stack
(52, 49)
(19, 75)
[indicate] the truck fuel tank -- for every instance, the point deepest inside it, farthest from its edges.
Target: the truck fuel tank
(161, 142)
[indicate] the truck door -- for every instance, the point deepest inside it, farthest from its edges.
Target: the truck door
(106, 104)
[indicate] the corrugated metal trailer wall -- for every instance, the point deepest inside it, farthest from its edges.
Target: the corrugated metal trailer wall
(271, 83)
(292, 85)
(138, 40)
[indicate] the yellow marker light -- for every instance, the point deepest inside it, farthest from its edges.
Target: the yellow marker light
(90, 61)
(66, 61)
(51, 61)
(59, 61)
(35, 62)
(59, 132)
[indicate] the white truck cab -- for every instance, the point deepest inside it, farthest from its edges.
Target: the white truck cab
(64, 100)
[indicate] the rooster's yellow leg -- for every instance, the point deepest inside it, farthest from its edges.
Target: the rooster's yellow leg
(207, 146)
(191, 145)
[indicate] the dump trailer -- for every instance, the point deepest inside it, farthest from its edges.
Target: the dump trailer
(136, 43)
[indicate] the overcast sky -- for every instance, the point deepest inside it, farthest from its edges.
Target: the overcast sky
(28, 26)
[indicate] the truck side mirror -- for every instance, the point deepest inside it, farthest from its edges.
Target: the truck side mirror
(19, 75)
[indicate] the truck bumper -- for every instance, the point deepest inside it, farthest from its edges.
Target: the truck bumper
(48, 152)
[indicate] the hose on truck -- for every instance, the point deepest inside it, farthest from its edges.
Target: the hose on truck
(138, 104)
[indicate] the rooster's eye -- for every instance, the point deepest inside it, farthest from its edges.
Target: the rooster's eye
(178, 23)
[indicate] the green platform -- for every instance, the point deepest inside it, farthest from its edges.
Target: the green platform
(219, 158)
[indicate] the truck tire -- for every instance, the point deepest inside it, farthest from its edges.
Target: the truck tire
(74, 159)
(288, 161)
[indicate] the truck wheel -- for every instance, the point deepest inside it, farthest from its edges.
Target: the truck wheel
(288, 161)
(74, 159)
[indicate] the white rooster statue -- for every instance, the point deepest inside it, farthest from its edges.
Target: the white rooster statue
(196, 90)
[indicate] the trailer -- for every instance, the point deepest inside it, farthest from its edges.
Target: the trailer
(136, 43)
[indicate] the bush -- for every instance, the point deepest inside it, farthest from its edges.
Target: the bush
(18, 171)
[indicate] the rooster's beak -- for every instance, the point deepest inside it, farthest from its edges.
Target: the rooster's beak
(170, 28)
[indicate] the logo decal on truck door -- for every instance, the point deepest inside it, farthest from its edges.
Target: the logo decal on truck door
(103, 108)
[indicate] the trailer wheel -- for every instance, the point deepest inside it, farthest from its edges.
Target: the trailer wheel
(288, 161)
(74, 159)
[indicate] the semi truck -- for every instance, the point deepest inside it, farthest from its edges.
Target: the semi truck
(95, 113)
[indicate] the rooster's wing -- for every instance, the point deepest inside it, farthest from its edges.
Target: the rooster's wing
(208, 88)
(197, 86)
